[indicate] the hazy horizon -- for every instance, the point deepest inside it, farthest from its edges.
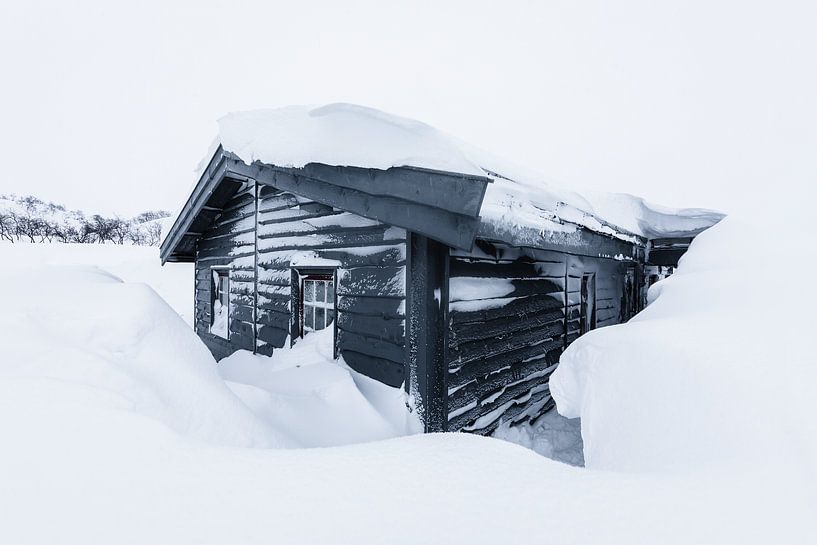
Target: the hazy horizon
(710, 104)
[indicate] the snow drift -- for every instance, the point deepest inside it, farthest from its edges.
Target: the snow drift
(117, 429)
(722, 358)
(78, 335)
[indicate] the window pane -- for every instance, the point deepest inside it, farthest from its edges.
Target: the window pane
(330, 315)
(319, 291)
(225, 290)
(309, 318)
(319, 318)
(330, 292)
(309, 290)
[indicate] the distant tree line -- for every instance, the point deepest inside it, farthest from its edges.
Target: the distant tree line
(30, 219)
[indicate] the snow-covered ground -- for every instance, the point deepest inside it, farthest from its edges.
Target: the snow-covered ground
(698, 421)
(173, 283)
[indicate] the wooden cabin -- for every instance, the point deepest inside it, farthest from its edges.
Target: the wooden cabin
(421, 293)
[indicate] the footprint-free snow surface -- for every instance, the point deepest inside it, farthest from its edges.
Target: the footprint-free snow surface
(119, 428)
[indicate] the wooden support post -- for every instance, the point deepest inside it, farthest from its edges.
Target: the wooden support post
(255, 271)
(427, 329)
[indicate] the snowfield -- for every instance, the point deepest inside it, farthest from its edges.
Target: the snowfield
(117, 426)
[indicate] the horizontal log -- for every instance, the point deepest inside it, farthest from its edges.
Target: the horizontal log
(372, 281)
(273, 318)
(377, 348)
(244, 199)
(390, 330)
(535, 286)
(268, 219)
(518, 395)
(241, 312)
(372, 306)
(241, 299)
(357, 256)
(386, 371)
(505, 269)
(368, 236)
(274, 302)
(233, 216)
(273, 335)
(468, 352)
(483, 387)
(460, 374)
(505, 326)
(241, 288)
(266, 192)
(277, 201)
(519, 308)
(233, 228)
(226, 253)
(264, 349)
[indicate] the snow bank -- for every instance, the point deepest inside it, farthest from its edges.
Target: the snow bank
(552, 435)
(314, 399)
(722, 358)
(117, 429)
(77, 335)
(519, 198)
(130, 263)
(715, 379)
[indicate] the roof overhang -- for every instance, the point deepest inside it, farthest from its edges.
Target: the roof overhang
(443, 206)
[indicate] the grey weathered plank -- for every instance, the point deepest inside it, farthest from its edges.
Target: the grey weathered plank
(372, 306)
(386, 371)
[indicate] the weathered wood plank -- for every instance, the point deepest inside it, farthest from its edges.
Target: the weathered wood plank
(504, 327)
(391, 330)
(506, 269)
(482, 388)
(348, 340)
(518, 395)
(386, 371)
(273, 335)
(485, 348)
(372, 306)
(451, 228)
(369, 236)
(372, 281)
(519, 308)
(463, 374)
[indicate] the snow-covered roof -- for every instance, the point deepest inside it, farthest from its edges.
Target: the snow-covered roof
(519, 200)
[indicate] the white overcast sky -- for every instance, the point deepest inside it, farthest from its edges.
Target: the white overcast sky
(109, 106)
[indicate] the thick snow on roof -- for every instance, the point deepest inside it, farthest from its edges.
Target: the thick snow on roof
(351, 135)
(342, 135)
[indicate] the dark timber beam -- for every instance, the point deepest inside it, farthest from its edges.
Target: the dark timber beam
(453, 192)
(427, 329)
(441, 205)
(437, 222)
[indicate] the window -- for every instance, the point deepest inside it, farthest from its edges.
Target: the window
(317, 300)
(588, 304)
(220, 302)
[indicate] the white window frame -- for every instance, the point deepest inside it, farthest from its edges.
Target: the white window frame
(321, 281)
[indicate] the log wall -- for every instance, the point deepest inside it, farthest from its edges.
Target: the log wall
(262, 244)
(511, 314)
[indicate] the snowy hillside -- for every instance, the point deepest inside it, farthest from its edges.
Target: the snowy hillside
(119, 429)
(29, 219)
